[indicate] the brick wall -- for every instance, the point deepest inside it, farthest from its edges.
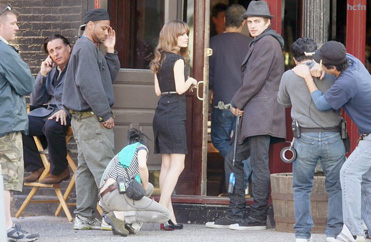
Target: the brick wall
(39, 19)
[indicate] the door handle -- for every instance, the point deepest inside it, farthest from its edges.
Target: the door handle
(197, 90)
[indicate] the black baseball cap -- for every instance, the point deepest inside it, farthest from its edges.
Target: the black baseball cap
(331, 53)
(96, 15)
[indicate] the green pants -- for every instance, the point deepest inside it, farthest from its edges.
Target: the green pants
(95, 146)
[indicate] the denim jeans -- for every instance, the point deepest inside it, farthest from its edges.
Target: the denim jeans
(355, 176)
(329, 149)
(223, 122)
(257, 148)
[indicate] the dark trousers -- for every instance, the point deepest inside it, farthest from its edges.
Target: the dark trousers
(54, 135)
(257, 147)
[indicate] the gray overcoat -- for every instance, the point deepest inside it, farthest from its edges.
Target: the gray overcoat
(262, 69)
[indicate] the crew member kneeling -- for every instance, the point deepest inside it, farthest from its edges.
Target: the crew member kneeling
(127, 215)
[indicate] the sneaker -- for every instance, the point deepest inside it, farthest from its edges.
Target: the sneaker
(249, 224)
(134, 227)
(346, 236)
(82, 223)
(118, 225)
(304, 240)
(104, 225)
(15, 233)
(223, 223)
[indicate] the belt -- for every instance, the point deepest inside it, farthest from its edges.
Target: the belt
(222, 106)
(110, 188)
(171, 92)
(84, 114)
(309, 130)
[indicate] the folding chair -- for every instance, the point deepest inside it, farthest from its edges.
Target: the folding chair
(62, 198)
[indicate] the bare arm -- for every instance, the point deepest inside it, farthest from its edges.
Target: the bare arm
(157, 87)
(182, 86)
(143, 170)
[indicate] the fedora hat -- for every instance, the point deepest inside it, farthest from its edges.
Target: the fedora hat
(258, 9)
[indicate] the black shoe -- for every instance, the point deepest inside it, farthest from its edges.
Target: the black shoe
(175, 226)
(223, 223)
(250, 224)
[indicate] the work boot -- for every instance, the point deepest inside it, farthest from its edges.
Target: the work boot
(55, 179)
(34, 175)
(118, 225)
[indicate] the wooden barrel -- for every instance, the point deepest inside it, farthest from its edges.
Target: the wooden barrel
(283, 202)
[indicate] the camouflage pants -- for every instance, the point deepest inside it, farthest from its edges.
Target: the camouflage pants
(11, 160)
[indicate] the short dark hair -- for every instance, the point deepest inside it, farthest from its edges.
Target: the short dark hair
(340, 67)
(135, 135)
(53, 37)
(302, 45)
(4, 10)
(233, 15)
(220, 7)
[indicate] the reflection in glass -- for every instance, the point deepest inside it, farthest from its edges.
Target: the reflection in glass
(148, 23)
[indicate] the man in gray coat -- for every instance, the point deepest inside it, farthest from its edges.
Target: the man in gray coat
(50, 123)
(88, 95)
(263, 119)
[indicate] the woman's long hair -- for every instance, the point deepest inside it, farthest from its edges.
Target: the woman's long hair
(168, 41)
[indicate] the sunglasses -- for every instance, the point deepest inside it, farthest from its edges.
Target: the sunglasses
(7, 8)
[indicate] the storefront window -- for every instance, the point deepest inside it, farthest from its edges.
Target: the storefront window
(137, 24)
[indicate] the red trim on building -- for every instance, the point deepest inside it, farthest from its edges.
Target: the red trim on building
(355, 45)
(96, 3)
(275, 7)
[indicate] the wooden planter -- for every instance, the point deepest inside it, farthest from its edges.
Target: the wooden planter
(283, 202)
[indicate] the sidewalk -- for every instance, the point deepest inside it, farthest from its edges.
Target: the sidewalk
(55, 229)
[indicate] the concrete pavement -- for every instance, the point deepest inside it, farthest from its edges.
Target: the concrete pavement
(58, 229)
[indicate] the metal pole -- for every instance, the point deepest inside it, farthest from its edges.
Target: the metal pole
(205, 105)
(3, 236)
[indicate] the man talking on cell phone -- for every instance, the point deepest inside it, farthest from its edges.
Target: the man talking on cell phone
(50, 122)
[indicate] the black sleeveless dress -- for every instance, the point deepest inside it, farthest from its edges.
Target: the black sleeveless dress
(169, 121)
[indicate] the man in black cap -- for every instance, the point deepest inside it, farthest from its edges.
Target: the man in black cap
(263, 120)
(88, 95)
(352, 92)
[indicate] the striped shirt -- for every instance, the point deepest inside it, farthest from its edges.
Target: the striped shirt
(114, 169)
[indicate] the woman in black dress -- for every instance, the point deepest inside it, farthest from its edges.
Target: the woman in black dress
(169, 120)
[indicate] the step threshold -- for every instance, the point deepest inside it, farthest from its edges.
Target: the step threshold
(198, 199)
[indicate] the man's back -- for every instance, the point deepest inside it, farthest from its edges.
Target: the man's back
(229, 50)
(293, 92)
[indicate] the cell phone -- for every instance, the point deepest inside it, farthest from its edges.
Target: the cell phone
(295, 129)
(52, 63)
(121, 185)
(343, 131)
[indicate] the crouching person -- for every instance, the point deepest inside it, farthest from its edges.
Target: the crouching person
(126, 215)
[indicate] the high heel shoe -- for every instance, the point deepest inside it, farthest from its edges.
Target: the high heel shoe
(167, 227)
(175, 226)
